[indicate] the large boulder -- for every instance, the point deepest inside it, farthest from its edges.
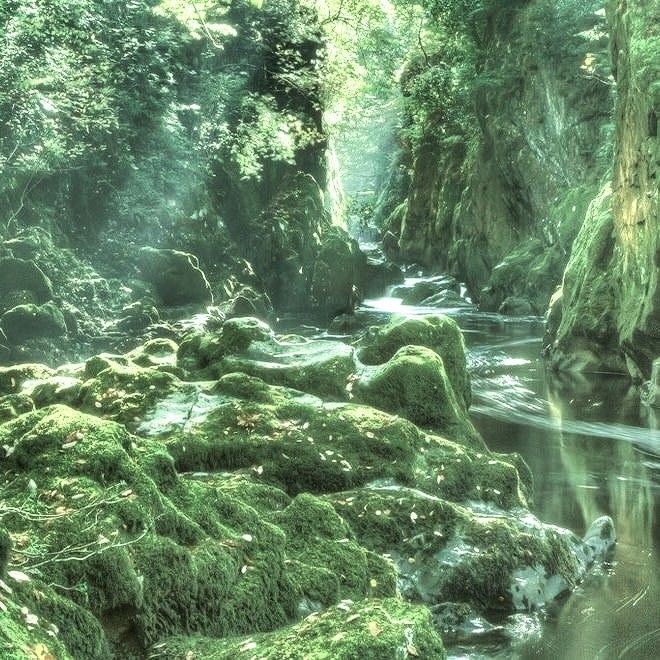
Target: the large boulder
(175, 275)
(415, 384)
(22, 281)
(33, 321)
(338, 272)
(439, 333)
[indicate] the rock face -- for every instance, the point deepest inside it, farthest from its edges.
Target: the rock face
(500, 184)
(610, 306)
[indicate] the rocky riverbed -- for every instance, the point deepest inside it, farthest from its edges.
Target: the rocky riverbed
(227, 491)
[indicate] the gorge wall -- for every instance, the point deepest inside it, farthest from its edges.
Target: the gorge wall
(511, 148)
(607, 317)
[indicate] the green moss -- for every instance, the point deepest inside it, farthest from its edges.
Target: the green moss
(29, 321)
(199, 350)
(415, 385)
(370, 629)
(13, 405)
(124, 393)
(296, 443)
(13, 378)
(439, 333)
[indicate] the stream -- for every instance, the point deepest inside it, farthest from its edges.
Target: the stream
(593, 450)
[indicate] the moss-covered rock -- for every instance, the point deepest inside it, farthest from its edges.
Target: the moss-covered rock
(439, 333)
(415, 385)
(22, 275)
(125, 392)
(30, 321)
(296, 442)
(13, 405)
(13, 379)
(448, 552)
(339, 270)
(176, 276)
(387, 629)
(199, 350)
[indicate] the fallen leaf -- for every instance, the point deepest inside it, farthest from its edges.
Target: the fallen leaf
(352, 618)
(412, 650)
(248, 646)
(18, 576)
(374, 629)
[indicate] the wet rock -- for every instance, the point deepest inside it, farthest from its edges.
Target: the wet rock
(439, 333)
(387, 628)
(176, 276)
(425, 289)
(460, 622)
(155, 353)
(446, 299)
(338, 272)
(468, 553)
(651, 389)
(33, 321)
(24, 282)
(515, 306)
(248, 302)
(414, 384)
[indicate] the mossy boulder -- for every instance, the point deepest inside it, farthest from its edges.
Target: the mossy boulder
(13, 379)
(158, 352)
(415, 385)
(373, 629)
(25, 322)
(439, 333)
(20, 275)
(449, 552)
(124, 392)
(199, 350)
(13, 405)
(338, 272)
(176, 276)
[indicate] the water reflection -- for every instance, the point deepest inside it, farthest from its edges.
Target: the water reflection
(591, 454)
(593, 451)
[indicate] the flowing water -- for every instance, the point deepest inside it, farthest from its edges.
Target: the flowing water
(593, 450)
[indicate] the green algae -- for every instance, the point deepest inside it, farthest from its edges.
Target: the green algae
(387, 629)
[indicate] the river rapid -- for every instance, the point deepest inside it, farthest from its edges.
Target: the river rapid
(593, 450)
